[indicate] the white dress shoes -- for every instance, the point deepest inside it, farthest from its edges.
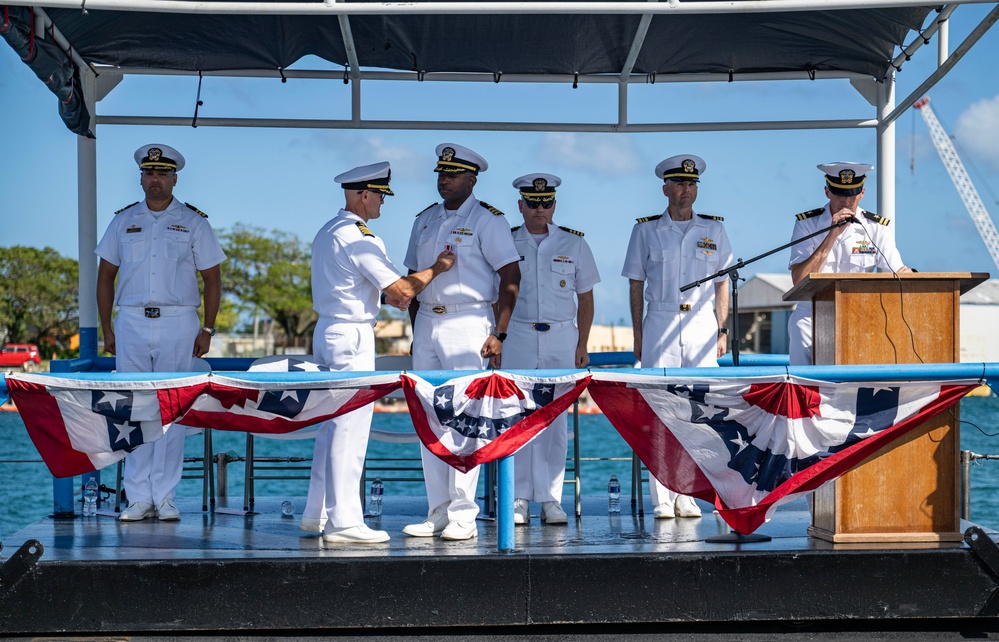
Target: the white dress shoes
(354, 535)
(686, 507)
(521, 511)
(666, 510)
(460, 531)
(312, 524)
(166, 511)
(552, 513)
(137, 511)
(429, 527)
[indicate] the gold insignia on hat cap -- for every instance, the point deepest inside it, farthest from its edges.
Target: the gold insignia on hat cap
(683, 167)
(537, 187)
(453, 159)
(845, 178)
(159, 157)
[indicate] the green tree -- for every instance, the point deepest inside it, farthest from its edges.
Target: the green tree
(270, 271)
(39, 293)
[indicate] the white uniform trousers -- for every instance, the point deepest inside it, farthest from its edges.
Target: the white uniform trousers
(166, 344)
(799, 335)
(450, 341)
(674, 339)
(341, 443)
(539, 466)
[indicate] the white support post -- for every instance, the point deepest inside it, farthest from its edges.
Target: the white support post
(886, 149)
(86, 178)
(622, 106)
(943, 43)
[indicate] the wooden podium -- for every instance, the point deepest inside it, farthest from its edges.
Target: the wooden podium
(908, 491)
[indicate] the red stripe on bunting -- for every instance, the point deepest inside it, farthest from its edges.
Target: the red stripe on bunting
(47, 430)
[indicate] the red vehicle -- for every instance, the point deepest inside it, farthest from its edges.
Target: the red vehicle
(20, 355)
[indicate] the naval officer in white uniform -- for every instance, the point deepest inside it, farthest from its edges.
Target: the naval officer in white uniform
(156, 248)
(349, 269)
(865, 242)
(453, 321)
(681, 329)
(556, 270)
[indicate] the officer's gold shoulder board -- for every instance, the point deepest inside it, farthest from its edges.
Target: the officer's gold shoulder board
(514, 229)
(809, 214)
(127, 207)
(196, 210)
(364, 229)
(711, 218)
(877, 218)
(646, 219)
(570, 230)
(426, 208)
(491, 208)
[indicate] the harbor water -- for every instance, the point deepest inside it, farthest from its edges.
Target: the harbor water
(26, 489)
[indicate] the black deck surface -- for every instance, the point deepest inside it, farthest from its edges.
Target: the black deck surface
(212, 573)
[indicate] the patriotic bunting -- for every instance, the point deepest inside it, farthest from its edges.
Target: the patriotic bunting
(744, 444)
(748, 445)
(83, 423)
(482, 417)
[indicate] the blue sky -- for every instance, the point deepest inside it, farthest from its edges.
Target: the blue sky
(282, 178)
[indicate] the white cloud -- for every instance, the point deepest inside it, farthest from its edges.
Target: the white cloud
(602, 154)
(977, 132)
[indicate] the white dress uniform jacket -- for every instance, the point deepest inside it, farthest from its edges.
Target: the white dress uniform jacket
(158, 255)
(551, 274)
(865, 246)
(349, 270)
(480, 238)
(451, 339)
(680, 329)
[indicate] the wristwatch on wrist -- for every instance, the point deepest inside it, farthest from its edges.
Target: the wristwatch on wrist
(210, 331)
(499, 335)
(722, 331)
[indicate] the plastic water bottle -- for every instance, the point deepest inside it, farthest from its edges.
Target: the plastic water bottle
(287, 508)
(613, 495)
(90, 498)
(377, 491)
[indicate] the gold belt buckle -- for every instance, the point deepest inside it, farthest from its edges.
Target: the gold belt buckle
(439, 309)
(684, 307)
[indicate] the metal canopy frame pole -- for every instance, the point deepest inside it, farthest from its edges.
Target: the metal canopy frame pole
(947, 65)
(455, 76)
(185, 121)
(688, 7)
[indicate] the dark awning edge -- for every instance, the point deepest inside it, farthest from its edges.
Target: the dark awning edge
(50, 63)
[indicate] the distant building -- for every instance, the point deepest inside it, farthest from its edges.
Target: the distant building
(393, 336)
(763, 317)
(610, 338)
(979, 319)
(763, 314)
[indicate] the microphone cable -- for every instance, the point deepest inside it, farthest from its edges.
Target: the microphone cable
(901, 298)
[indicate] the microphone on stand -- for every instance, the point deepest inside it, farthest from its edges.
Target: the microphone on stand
(847, 221)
